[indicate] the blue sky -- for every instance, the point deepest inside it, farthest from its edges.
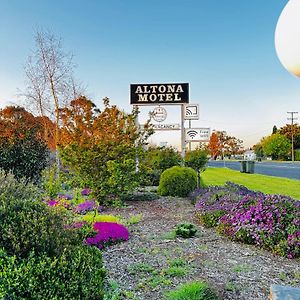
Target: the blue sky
(224, 49)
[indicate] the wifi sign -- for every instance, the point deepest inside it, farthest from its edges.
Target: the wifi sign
(191, 112)
(197, 134)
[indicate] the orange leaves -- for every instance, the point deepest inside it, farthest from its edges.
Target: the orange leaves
(85, 125)
(16, 123)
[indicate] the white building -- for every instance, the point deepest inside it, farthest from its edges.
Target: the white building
(249, 155)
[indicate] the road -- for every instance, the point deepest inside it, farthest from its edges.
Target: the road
(279, 169)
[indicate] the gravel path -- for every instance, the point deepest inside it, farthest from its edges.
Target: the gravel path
(153, 261)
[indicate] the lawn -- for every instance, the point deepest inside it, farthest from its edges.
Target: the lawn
(257, 182)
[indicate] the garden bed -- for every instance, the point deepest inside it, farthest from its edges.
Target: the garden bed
(154, 261)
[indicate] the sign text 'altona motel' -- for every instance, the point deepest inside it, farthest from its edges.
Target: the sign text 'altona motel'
(169, 93)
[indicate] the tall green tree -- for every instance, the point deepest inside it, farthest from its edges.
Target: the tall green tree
(100, 147)
(277, 146)
(288, 130)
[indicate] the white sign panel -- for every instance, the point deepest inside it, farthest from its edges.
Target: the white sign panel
(191, 112)
(166, 126)
(159, 114)
(197, 134)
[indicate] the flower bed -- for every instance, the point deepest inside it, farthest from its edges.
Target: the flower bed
(269, 221)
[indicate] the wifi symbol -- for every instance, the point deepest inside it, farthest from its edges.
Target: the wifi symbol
(192, 133)
(188, 112)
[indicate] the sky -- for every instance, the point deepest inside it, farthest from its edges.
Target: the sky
(224, 49)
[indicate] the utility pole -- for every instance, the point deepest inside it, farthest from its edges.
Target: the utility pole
(292, 118)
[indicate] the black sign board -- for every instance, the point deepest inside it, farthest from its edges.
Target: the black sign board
(159, 93)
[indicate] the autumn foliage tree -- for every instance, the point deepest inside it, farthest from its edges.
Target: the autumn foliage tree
(222, 144)
(23, 151)
(214, 146)
(100, 147)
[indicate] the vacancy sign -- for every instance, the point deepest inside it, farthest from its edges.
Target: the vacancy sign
(197, 134)
(191, 112)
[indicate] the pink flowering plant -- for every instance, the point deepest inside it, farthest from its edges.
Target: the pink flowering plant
(107, 234)
(269, 221)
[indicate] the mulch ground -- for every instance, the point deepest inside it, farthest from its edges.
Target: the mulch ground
(143, 267)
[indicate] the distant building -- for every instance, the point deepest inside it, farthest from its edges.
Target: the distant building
(249, 155)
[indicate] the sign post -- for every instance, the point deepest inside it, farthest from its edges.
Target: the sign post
(163, 94)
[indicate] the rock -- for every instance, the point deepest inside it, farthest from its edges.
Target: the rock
(280, 292)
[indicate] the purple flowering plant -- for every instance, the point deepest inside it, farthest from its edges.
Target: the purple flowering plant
(85, 207)
(107, 234)
(268, 221)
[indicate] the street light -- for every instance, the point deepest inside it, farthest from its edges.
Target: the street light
(287, 43)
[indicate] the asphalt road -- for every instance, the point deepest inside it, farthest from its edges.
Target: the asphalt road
(279, 169)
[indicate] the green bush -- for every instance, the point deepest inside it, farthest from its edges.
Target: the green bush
(25, 157)
(177, 181)
(154, 161)
(28, 224)
(186, 230)
(193, 291)
(10, 188)
(76, 274)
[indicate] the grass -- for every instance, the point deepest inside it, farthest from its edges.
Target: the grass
(256, 182)
(192, 291)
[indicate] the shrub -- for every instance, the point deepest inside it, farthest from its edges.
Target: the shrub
(214, 202)
(268, 221)
(186, 230)
(76, 274)
(91, 218)
(10, 188)
(155, 161)
(25, 157)
(99, 148)
(30, 224)
(108, 233)
(193, 291)
(177, 181)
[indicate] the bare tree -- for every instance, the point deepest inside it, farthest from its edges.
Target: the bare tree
(50, 83)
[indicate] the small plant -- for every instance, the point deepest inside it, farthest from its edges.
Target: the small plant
(171, 235)
(133, 219)
(140, 268)
(186, 230)
(193, 291)
(175, 271)
(92, 218)
(241, 268)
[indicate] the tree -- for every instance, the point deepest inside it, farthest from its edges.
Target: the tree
(222, 144)
(22, 148)
(258, 150)
(50, 81)
(277, 146)
(233, 145)
(288, 130)
(197, 160)
(214, 146)
(100, 147)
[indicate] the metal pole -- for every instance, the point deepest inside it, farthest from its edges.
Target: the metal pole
(292, 121)
(182, 132)
(136, 121)
(190, 143)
